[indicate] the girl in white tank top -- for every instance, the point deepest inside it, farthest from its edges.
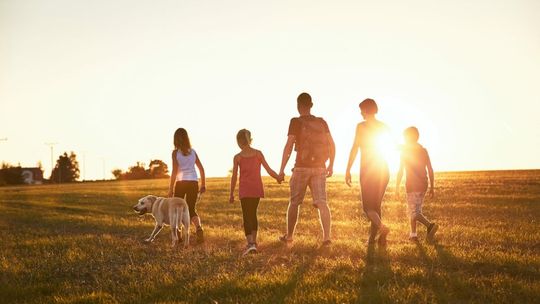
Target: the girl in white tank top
(186, 166)
(184, 180)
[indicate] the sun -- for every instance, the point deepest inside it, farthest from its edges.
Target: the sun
(387, 146)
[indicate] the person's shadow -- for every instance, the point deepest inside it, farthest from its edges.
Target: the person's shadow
(445, 288)
(375, 276)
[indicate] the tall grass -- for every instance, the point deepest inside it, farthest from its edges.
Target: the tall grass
(82, 243)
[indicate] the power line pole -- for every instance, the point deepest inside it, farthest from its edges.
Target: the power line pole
(84, 165)
(51, 145)
(3, 139)
(103, 160)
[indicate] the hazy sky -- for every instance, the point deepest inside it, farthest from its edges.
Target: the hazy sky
(113, 79)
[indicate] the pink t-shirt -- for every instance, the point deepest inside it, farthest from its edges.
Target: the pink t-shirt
(251, 185)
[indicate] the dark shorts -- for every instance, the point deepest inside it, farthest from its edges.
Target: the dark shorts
(373, 187)
(188, 190)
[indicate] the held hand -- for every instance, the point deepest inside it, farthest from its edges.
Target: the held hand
(348, 178)
(202, 189)
(281, 177)
(329, 171)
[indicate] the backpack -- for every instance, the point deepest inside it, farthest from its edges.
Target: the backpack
(313, 145)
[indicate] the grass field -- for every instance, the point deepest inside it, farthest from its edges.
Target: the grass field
(82, 243)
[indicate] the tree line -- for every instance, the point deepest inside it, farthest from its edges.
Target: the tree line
(66, 170)
(156, 169)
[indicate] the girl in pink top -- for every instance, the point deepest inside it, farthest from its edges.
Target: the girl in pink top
(251, 190)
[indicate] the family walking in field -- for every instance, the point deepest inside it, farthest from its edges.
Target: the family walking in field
(309, 136)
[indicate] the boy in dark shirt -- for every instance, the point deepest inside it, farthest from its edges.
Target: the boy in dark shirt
(415, 160)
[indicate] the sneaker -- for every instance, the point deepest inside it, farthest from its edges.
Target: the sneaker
(200, 235)
(250, 249)
(383, 232)
(431, 230)
(284, 239)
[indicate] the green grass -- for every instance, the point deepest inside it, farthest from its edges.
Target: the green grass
(82, 243)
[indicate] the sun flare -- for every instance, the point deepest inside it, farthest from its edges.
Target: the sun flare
(388, 148)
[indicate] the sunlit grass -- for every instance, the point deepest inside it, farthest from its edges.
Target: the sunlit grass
(83, 243)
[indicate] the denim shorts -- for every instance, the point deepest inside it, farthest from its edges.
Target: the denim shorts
(414, 203)
(315, 179)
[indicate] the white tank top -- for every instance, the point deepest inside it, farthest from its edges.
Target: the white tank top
(186, 166)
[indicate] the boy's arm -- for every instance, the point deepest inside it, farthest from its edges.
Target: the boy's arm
(431, 175)
(399, 177)
(173, 174)
(203, 176)
(268, 169)
(234, 178)
(352, 157)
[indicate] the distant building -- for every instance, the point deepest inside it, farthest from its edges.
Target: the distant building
(32, 176)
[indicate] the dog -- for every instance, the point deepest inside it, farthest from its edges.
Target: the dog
(172, 211)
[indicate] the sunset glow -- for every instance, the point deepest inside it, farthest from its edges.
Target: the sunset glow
(113, 85)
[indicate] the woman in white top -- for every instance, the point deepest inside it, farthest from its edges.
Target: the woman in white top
(184, 180)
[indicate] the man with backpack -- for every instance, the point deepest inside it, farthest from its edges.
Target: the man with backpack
(313, 143)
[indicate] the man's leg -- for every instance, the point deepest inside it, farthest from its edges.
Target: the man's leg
(326, 221)
(292, 219)
(317, 186)
(298, 185)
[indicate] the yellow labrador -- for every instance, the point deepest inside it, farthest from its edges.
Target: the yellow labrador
(171, 211)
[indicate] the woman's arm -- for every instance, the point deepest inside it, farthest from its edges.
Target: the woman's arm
(203, 177)
(234, 178)
(173, 174)
(352, 156)
(267, 167)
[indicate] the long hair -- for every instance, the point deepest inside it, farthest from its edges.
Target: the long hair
(181, 141)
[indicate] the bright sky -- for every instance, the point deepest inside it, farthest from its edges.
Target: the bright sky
(114, 79)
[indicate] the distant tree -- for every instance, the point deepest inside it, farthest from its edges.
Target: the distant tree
(66, 169)
(158, 169)
(117, 173)
(11, 175)
(137, 172)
